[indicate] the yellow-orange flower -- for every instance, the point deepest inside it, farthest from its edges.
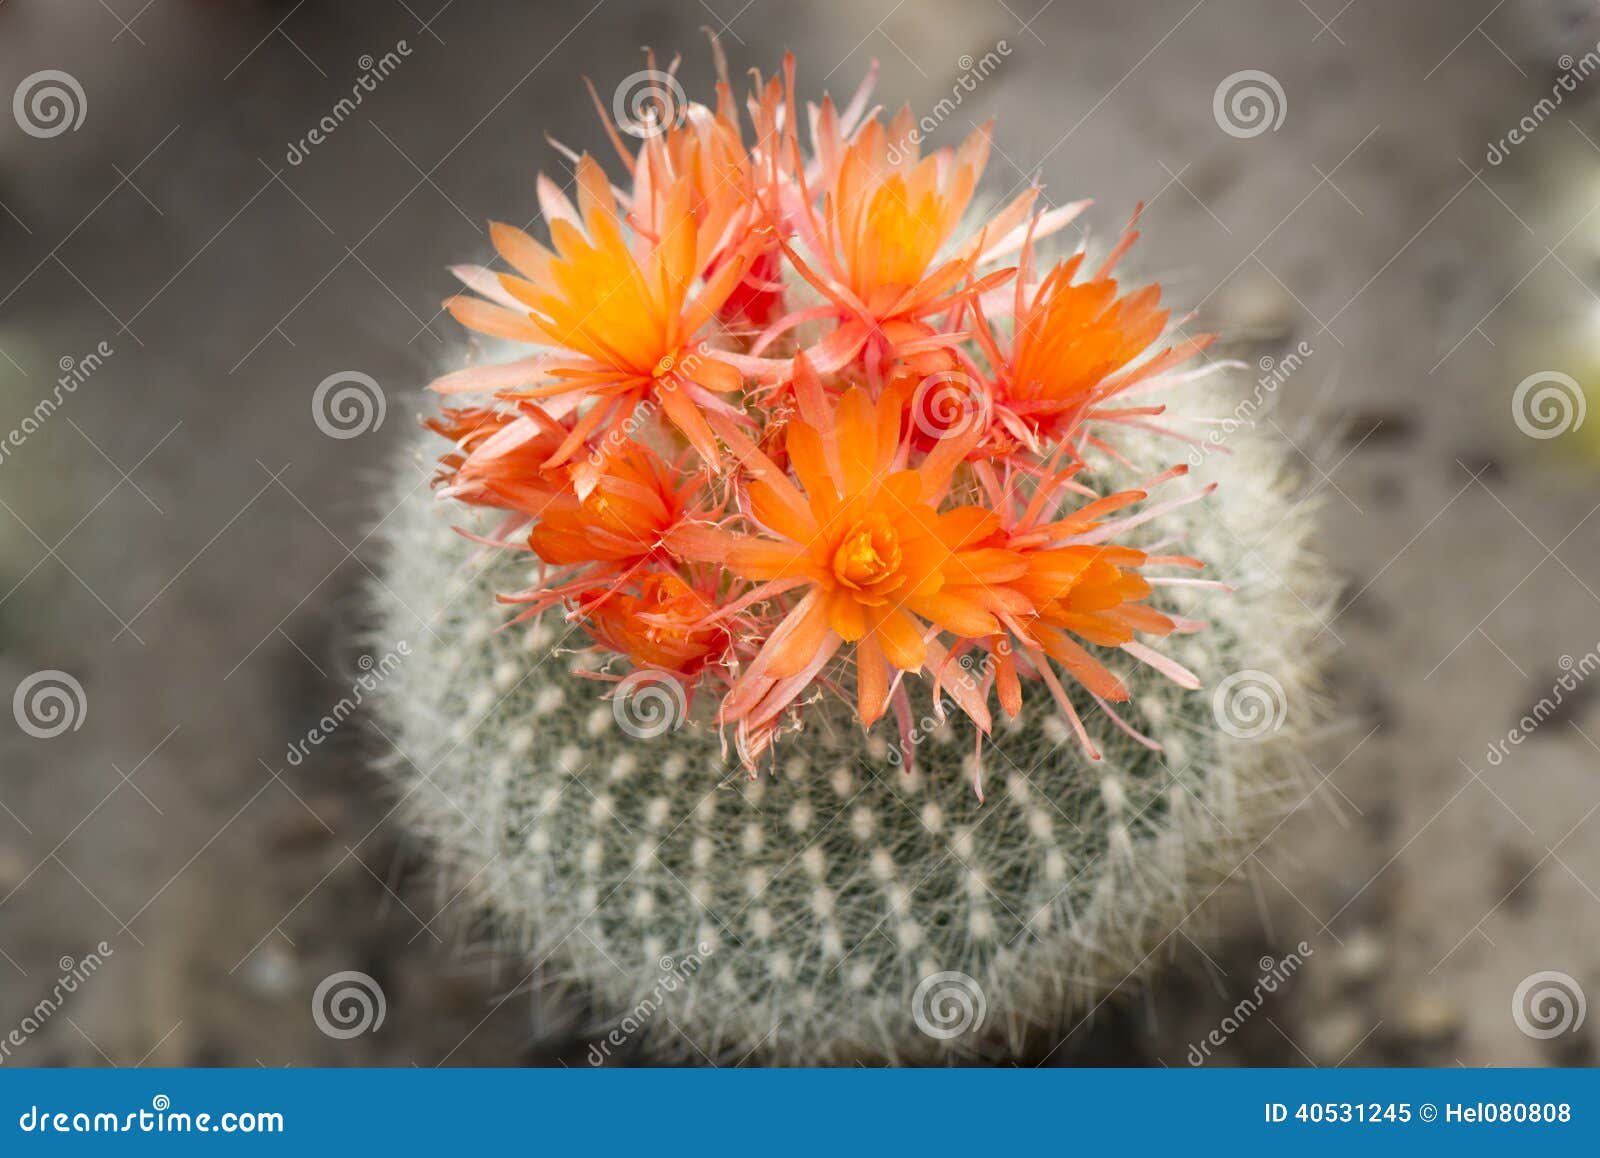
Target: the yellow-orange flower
(500, 458)
(623, 519)
(1076, 345)
(662, 626)
(1075, 582)
(832, 540)
(623, 324)
(864, 539)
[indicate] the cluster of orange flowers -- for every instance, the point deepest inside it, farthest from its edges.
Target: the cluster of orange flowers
(789, 407)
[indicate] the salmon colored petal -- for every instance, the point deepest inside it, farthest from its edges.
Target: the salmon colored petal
(955, 614)
(686, 416)
(847, 616)
(713, 374)
(496, 321)
(872, 681)
(522, 253)
(901, 637)
(798, 638)
(1084, 668)
(492, 379)
(764, 559)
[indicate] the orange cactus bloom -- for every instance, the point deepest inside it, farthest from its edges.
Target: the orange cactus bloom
(500, 458)
(623, 324)
(662, 626)
(1073, 336)
(892, 495)
(1075, 582)
(622, 520)
(1076, 344)
(863, 536)
(887, 212)
(606, 538)
(890, 216)
(466, 427)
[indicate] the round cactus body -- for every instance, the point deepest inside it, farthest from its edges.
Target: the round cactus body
(847, 903)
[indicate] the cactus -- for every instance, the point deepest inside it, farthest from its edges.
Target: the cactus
(843, 905)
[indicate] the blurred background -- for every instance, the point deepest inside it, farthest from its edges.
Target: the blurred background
(1416, 221)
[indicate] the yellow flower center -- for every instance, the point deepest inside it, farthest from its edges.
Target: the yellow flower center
(868, 557)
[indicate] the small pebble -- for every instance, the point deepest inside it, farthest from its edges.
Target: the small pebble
(1362, 958)
(1330, 1038)
(1429, 1017)
(270, 972)
(1255, 305)
(13, 868)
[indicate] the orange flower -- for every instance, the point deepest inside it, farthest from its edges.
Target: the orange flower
(862, 536)
(466, 427)
(651, 310)
(1076, 583)
(1074, 347)
(605, 538)
(887, 212)
(889, 215)
(623, 323)
(662, 627)
(622, 520)
(500, 458)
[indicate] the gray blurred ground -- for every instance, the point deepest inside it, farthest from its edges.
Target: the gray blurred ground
(182, 539)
